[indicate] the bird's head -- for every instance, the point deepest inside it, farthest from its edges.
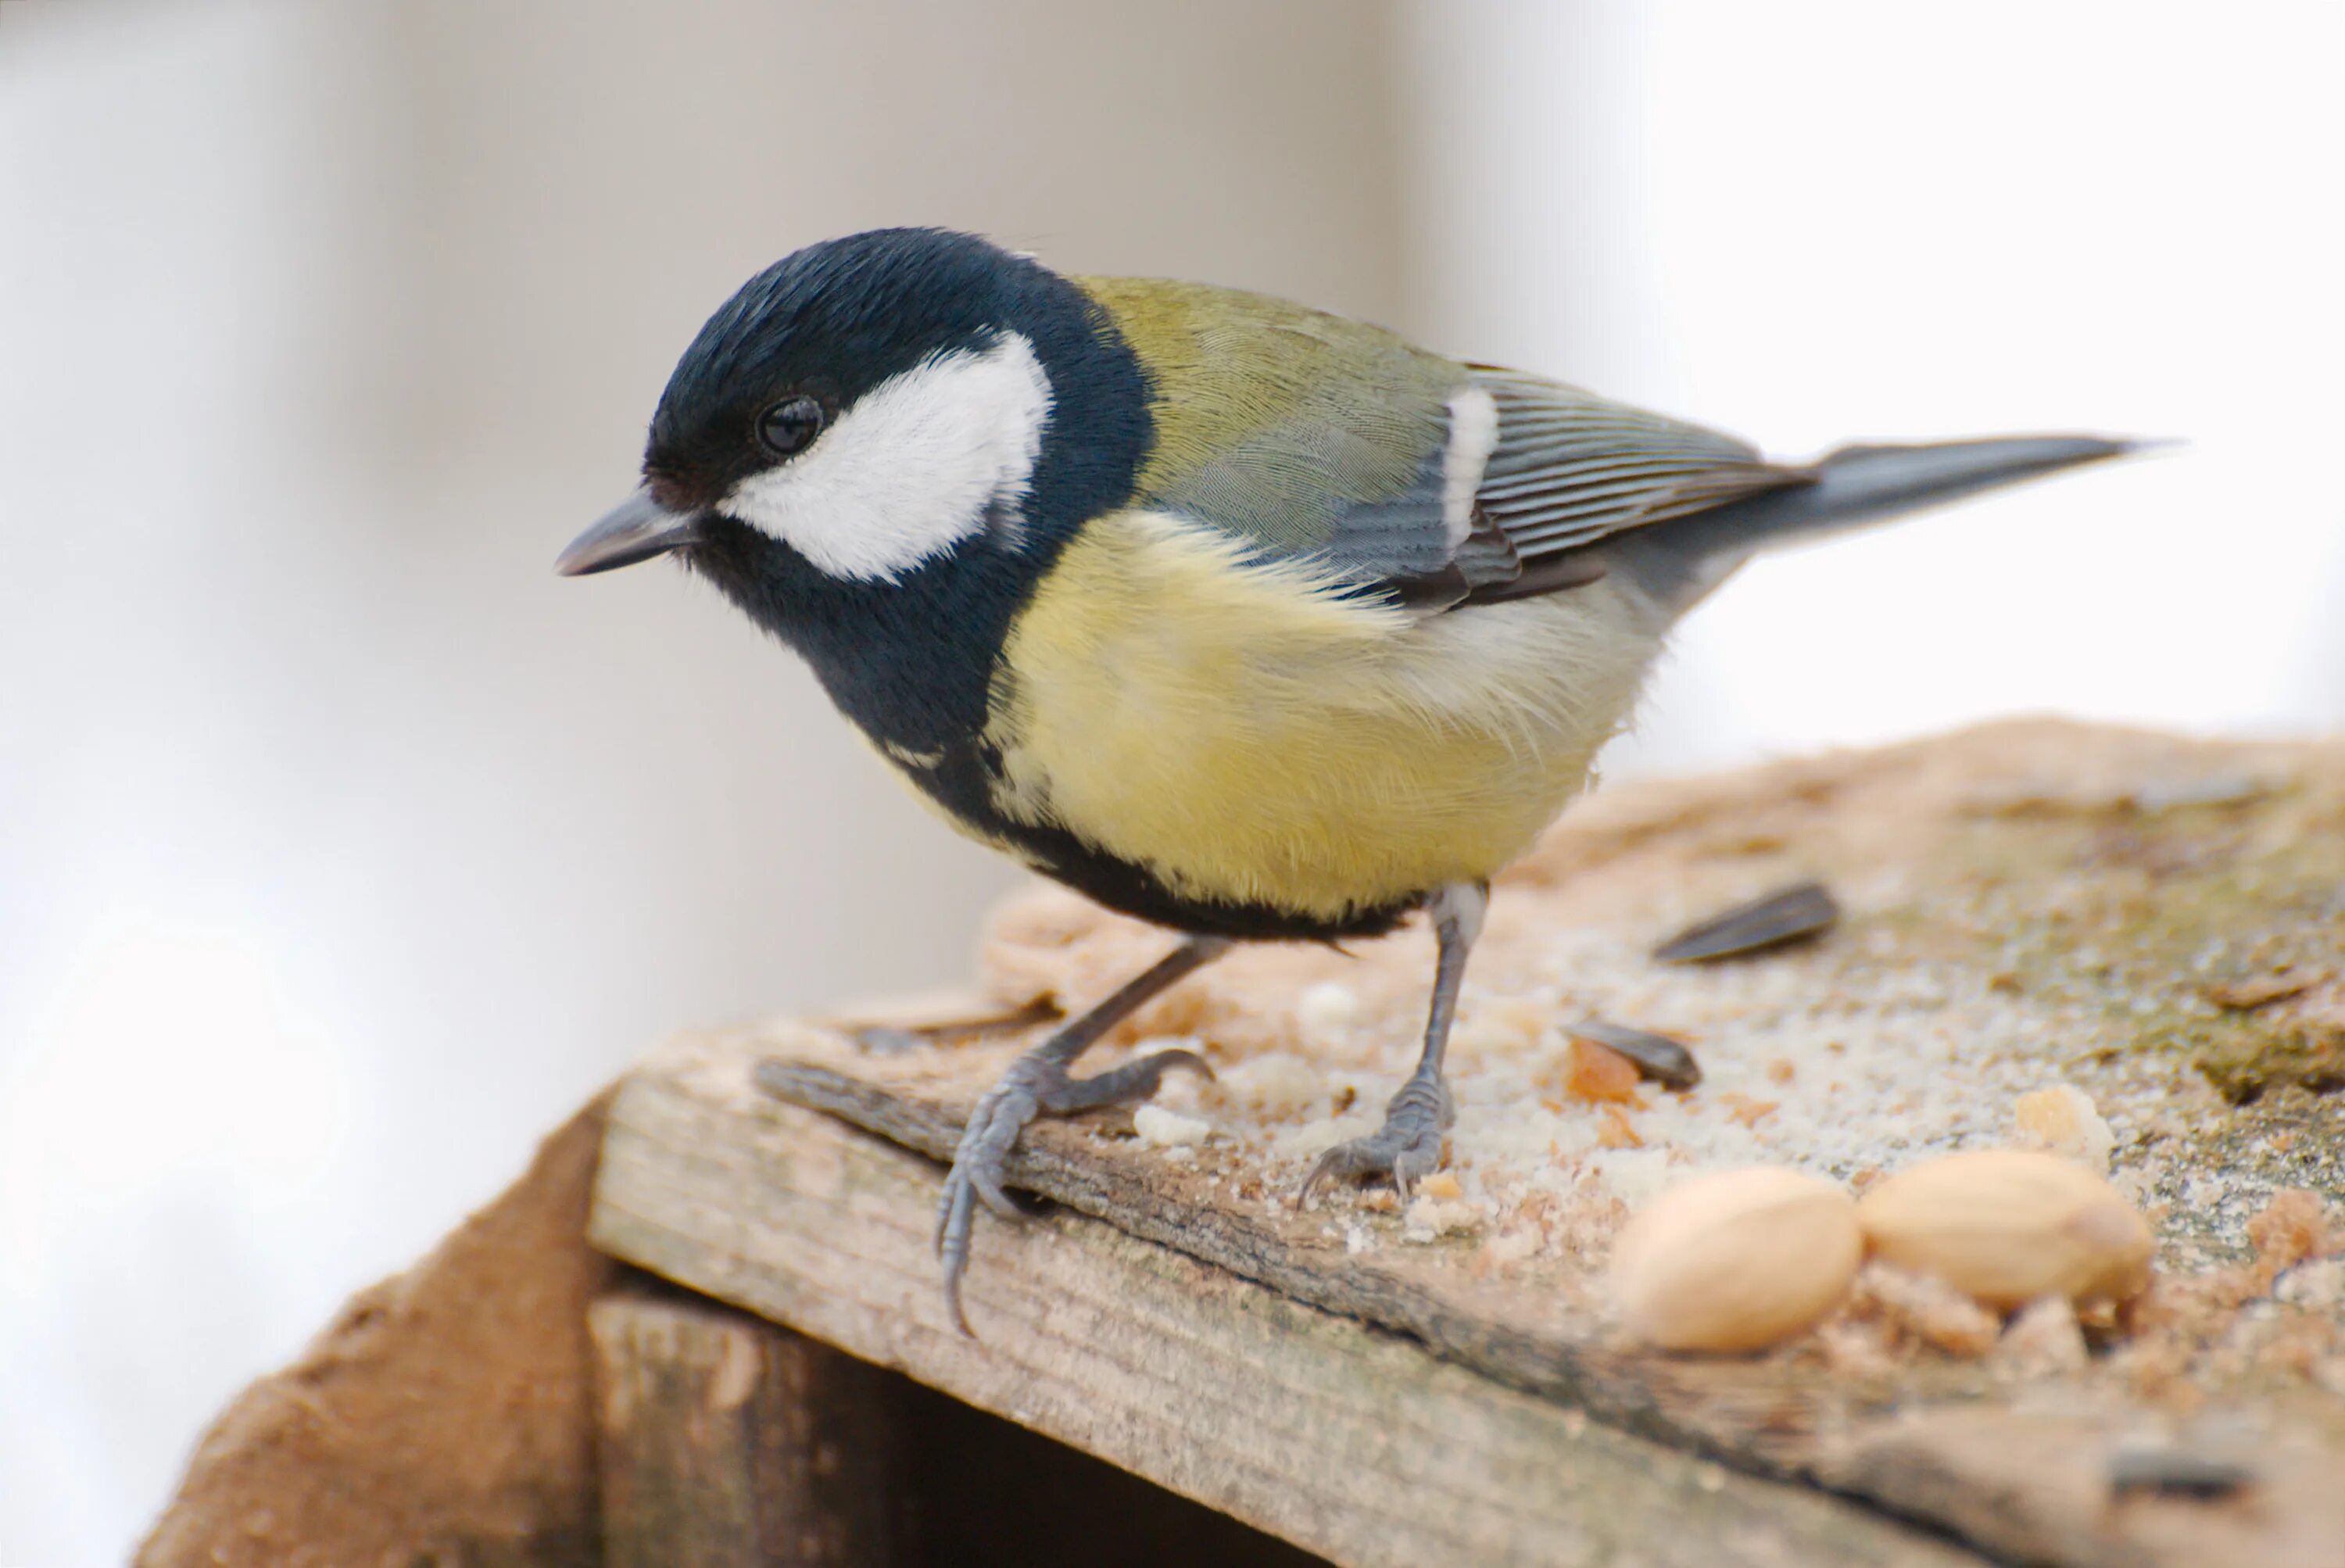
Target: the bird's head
(876, 408)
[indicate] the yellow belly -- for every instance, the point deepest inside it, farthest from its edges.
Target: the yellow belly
(1251, 736)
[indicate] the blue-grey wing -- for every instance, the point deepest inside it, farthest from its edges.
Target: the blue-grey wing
(1570, 468)
(1311, 439)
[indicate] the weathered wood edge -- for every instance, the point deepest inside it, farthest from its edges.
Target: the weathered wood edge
(1864, 1443)
(1346, 1440)
(1750, 1417)
(724, 1440)
(1745, 1420)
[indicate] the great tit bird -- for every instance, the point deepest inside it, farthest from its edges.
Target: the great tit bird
(1251, 621)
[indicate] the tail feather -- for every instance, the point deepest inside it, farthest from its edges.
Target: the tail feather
(1679, 561)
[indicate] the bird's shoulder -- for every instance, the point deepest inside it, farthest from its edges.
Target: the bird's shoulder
(1275, 419)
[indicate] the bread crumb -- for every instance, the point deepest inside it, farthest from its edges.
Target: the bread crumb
(1441, 1185)
(1312, 1139)
(1508, 1247)
(1430, 1217)
(1919, 1309)
(2043, 1341)
(2063, 1120)
(1599, 1074)
(1276, 1086)
(1163, 1129)
(2319, 1285)
(1327, 1007)
(1615, 1133)
(1855, 1347)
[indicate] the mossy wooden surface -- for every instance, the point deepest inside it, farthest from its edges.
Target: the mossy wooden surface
(2134, 915)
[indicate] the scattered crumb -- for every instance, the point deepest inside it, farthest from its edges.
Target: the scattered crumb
(1853, 1348)
(1329, 1005)
(1276, 1086)
(1508, 1247)
(1312, 1139)
(1430, 1217)
(1598, 1073)
(1441, 1185)
(1163, 1129)
(1503, 1023)
(2063, 1120)
(2319, 1286)
(1913, 1310)
(2044, 1341)
(1615, 1133)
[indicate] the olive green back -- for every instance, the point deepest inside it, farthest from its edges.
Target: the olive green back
(1301, 431)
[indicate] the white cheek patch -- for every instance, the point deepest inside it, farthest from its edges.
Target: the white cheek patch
(918, 464)
(1473, 436)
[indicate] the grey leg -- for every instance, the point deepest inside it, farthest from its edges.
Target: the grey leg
(1037, 1085)
(1408, 1145)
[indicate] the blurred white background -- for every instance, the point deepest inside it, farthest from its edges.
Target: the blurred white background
(343, 849)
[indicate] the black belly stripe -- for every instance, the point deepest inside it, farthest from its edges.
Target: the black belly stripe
(962, 783)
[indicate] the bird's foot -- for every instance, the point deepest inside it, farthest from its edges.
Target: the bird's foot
(1037, 1085)
(1408, 1147)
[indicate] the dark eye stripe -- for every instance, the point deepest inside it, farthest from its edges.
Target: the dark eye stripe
(788, 425)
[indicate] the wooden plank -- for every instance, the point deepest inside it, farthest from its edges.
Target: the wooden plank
(1947, 1445)
(729, 1441)
(726, 1442)
(1351, 1443)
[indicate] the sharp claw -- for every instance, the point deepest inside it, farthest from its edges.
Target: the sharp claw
(952, 1245)
(1030, 1088)
(952, 1300)
(1319, 1173)
(989, 1189)
(1396, 1149)
(952, 1214)
(1168, 1060)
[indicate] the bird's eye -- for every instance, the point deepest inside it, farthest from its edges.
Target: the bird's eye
(789, 425)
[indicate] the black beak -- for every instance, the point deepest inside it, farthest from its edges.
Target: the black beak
(638, 529)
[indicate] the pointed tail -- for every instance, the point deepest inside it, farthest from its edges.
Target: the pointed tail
(1680, 560)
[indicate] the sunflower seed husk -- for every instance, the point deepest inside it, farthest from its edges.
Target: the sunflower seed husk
(1793, 913)
(1657, 1057)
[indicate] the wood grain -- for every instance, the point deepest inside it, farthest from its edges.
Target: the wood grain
(2029, 904)
(726, 1442)
(1349, 1442)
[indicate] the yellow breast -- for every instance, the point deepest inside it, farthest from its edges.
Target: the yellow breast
(1251, 735)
